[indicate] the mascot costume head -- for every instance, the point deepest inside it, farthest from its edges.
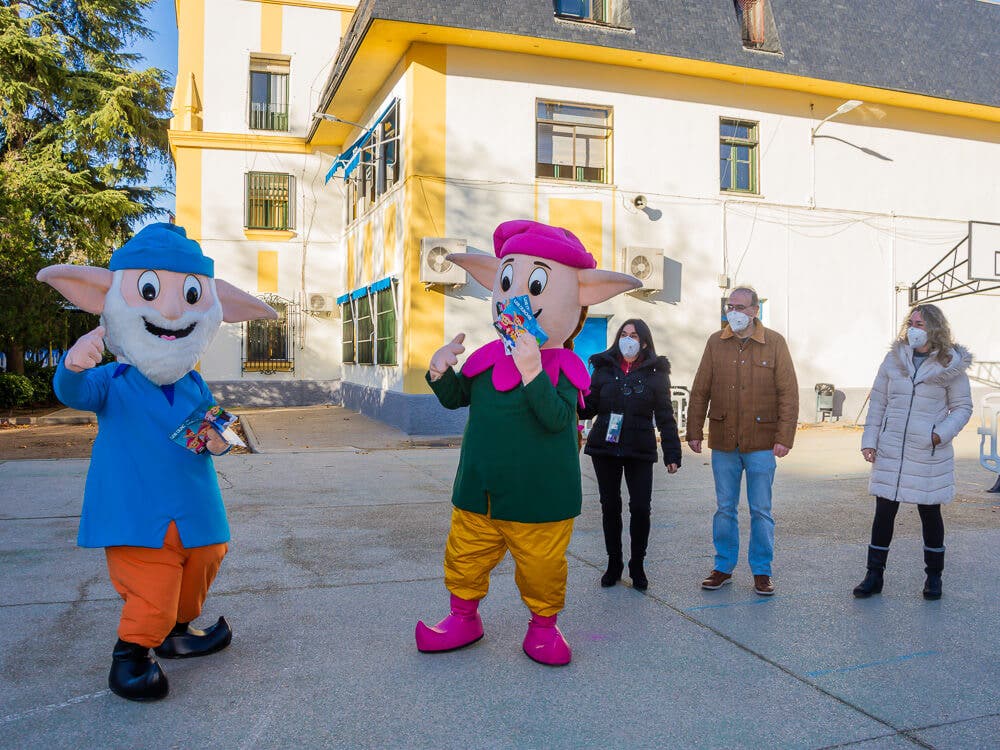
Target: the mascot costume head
(518, 483)
(152, 503)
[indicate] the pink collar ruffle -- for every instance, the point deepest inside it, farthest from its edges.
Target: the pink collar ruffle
(506, 376)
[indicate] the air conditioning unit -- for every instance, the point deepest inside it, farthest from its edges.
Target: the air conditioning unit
(646, 264)
(435, 268)
(321, 303)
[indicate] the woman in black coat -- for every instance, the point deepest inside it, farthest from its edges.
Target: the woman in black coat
(629, 392)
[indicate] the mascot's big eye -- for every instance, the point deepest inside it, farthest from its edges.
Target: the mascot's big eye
(192, 289)
(537, 281)
(149, 285)
(507, 277)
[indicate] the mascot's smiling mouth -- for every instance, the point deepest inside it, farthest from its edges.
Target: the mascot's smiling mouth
(500, 306)
(165, 333)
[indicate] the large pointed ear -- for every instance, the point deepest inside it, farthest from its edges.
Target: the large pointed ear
(84, 286)
(598, 286)
(483, 268)
(238, 306)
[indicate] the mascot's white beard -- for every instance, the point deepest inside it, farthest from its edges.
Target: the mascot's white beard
(161, 361)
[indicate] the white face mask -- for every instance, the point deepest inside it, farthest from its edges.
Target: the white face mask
(629, 347)
(916, 336)
(738, 321)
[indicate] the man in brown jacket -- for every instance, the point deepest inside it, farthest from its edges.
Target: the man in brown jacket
(746, 384)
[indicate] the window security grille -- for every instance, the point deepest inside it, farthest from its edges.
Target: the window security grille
(267, 344)
(270, 200)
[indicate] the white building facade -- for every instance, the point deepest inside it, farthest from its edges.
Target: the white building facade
(709, 169)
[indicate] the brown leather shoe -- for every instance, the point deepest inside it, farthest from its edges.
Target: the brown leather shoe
(763, 585)
(716, 580)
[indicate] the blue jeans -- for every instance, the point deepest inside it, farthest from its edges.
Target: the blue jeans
(728, 468)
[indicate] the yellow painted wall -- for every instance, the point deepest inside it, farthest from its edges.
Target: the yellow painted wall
(188, 186)
(190, 59)
(389, 240)
(366, 253)
(352, 280)
(583, 218)
(267, 271)
(424, 210)
(270, 27)
(190, 74)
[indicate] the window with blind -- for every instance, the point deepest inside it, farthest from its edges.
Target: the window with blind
(738, 162)
(365, 345)
(270, 201)
(269, 92)
(385, 326)
(347, 316)
(380, 167)
(573, 142)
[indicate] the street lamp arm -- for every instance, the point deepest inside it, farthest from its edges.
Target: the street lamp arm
(334, 118)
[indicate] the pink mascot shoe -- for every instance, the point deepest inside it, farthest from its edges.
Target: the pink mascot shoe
(545, 644)
(461, 628)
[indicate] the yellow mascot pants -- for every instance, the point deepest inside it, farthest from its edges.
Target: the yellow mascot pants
(477, 544)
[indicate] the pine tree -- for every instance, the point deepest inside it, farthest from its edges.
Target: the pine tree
(80, 125)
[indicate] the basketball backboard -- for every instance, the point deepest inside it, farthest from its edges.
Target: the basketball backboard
(984, 251)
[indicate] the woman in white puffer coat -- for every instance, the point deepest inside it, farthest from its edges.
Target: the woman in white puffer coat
(920, 401)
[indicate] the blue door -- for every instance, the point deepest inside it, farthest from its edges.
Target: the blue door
(592, 339)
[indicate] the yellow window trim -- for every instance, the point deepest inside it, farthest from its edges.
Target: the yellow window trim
(269, 235)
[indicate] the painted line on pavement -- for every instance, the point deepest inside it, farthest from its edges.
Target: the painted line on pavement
(53, 706)
(866, 665)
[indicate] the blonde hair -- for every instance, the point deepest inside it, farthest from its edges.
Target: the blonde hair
(938, 331)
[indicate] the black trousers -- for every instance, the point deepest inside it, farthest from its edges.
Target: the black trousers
(885, 518)
(639, 478)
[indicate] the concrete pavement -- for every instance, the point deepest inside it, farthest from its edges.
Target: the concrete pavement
(337, 552)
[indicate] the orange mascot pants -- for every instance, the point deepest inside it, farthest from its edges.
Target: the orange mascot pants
(477, 543)
(161, 587)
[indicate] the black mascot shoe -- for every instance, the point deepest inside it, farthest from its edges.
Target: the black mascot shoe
(185, 642)
(135, 675)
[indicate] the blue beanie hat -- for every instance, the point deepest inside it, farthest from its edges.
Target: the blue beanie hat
(162, 246)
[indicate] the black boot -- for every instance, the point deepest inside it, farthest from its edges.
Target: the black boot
(135, 674)
(873, 581)
(934, 566)
(185, 642)
(638, 575)
(611, 521)
(614, 572)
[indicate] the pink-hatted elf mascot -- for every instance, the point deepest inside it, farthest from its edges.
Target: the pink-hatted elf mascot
(152, 504)
(518, 482)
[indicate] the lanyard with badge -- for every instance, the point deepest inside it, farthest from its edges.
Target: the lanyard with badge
(615, 419)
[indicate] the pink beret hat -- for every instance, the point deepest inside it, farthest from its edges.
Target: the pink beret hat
(543, 241)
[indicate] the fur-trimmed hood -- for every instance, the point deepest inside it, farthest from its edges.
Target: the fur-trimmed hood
(933, 371)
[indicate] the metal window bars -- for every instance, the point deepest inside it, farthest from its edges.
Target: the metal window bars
(270, 200)
(267, 345)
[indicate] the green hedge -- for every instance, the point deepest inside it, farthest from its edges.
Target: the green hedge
(41, 385)
(15, 390)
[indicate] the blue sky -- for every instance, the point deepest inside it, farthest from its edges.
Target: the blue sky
(161, 52)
